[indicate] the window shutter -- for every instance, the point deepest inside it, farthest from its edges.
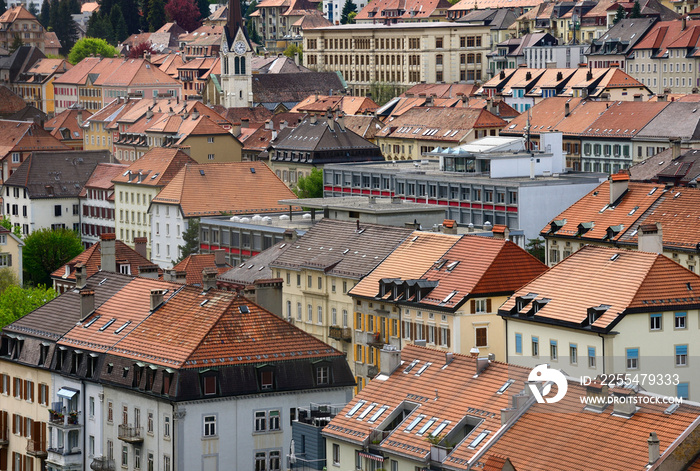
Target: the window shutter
(25, 390)
(473, 306)
(425, 331)
(14, 423)
(403, 331)
(413, 331)
(488, 305)
(448, 338)
(9, 260)
(3, 458)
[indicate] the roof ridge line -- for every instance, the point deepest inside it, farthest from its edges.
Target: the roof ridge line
(223, 312)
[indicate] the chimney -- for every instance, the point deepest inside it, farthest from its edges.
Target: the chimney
(675, 148)
(560, 77)
(283, 125)
(268, 125)
(296, 58)
(80, 117)
(149, 271)
(650, 238)
(329, 120)
(180, 277)
(149, 113)
(156, 298)
(449, 356)
(528, 75)
(654, 452)
(209, 278)
(169, 274)
(389, 359)
(245, 123)
(108, 252)
(236, 129)
(87, 303)
(500, 231)
(290, 235)
(80, 275)
(661, 97)
(567, 109)
(140, 245)
(313, 119)
(683, 23)
(195, 114)
(220, 257)
(624, 402)
(589, 75)
(481, 364)
(341, 121)
(429, 100)
(449, 226)
(597, 390)
(618, 186)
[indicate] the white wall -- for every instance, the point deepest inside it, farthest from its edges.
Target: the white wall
(167, 226)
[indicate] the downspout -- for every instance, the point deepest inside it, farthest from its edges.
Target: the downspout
(505, 319)
(85, 450)
(602, 342)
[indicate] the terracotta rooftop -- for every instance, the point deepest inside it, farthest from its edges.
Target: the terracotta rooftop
(195, 263)
(64, 126)
(16, 13)
(24, 136)
(347, 104)
(617, 280)
(414, 10)
(339, 249)
(50, 66)
(102, 176)
(92, 259)
(462, 267)
(670, 34)
(550, 115)
(134, 73)
(446, 392)
(10, 102)
(441, 90)
(157, 167)
(205, 189)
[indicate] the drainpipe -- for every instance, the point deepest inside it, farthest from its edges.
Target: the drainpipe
(602, 342)
(506, 322)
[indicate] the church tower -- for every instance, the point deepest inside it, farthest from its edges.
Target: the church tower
(236, 55)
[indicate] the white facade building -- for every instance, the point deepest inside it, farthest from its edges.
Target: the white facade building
(559, 57)
(167, 227)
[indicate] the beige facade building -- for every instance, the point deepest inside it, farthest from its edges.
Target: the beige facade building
(402, 54)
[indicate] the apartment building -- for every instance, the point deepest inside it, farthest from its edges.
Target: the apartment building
(138, 185)
(97, 203)
(440, 290)
(570, 317)
(17, 21)
(35, 85)
(19, 139)
(402, 54)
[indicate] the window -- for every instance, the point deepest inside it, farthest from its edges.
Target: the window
(260, 462)
(322, 375)
(481, 336)
(535, 347)
(125, 456)
(299, 311)
(681, 355)
(320, 314)
(57, 210)
(209, 385)
(166, 426)
(309, 313)
(632, 355)
(680, 318)
(336, 454)
(137, 458)
(682, 390)
(15, 158)
(149, 428)
(260, 421)
(573, 353)
(553, 350)
(266, 379)
(519, 343)
(209, 425)
(655, 322)
(110, 411)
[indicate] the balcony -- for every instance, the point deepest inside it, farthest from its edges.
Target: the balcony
(36, 448)
(4, 436)
(340, 333)
(102, 463)
(130, 434)
(375, 339)
(58, 418)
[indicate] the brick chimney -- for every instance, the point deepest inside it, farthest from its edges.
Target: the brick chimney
(87, 303)
(650, 238)
(156, 298)
(597, 390)
(500, 231)
(389, 359)
(654, 451)
(449, 226)
(220, 257)
(618, 186)
(209, 278)
(624, 404)
(236, 129)
(140, 245)
(108, 252)
(80, 275)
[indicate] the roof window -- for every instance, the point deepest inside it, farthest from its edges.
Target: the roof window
(367, 411)
(122, 327)
(414, 423)
(355, 408)
(92, 321)
(423, 368)
(427, 425)
(109, 322)
(410, 367)
(480, 438)
(505, 386)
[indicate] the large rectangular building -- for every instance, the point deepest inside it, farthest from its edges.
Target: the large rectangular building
(401, 55)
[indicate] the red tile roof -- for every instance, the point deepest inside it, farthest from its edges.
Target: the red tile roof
(624, 119)
(92, 259)
(102, 176)
(205, 189)
(67, 122)
(194, 264)
(158, 167)
(665, 34)
(595, 276)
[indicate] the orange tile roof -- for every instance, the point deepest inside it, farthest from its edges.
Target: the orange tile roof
(134, 73)
(444, 120)
(16, 136)
(594, 208)
(50, 66)
(624, 119)
(413, 10)
(564, 436)
(78, 74)
(67, 120)
(205, 189)
(158, 167)
(441, 90)
(665, 34)
(348, 104)
(92, 259)
(16, 13)
(194, 264)
(472, 266)
(447, 394)
(215, 331)
(623, 280)
(102, 177)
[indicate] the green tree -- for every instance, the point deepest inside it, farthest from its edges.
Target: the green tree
(16, 43)
(294, 49)
(7, 224)
(45, 13)
(191, 239)
(46, 250)
(116, 17)
(536, 248)
(32, 9)
(382, 92)
(252, 6)
(87, 46)
(3, 7)
(348, 8)
(156, 14)
(310, 186)
(53, 15)
(145, 12)
(130, 10)
(99, 26)
(75, 7)
(16, 302)
(65, 26)
(351, 17)
(636, 10)
(8, 278)
(203, 7)
(619, 14)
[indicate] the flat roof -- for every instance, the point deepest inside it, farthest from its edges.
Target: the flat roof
(365, 204)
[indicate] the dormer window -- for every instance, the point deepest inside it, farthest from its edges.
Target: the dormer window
(209, 384)
(554, 226)
(612, 231)
(584, 227)
(266, 377)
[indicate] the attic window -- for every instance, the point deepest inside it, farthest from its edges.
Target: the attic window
(377, 414)
(652, 191)
(243, 309)
(109, 322)
(449, 296)
(427, 425)
(154, 176)
(415, 422)
(410, 367)
(440, 428)
(355, 408)
(122, 327)
(423, 368)
(439, 264)
(92, 321)
(252, 169)
(633, 211)
(687, 285)
(452, 265)
(505, 386)
(480, 438)
(367, 411)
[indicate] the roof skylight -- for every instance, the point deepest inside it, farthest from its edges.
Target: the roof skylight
(355, 408)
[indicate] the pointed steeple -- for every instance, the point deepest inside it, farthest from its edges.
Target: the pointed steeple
(234, 21)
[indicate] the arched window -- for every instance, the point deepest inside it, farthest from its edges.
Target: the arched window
(243, 65)
(236, 65)
(226, 66)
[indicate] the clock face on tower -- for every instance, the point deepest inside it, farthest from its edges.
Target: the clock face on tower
(239, 48)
